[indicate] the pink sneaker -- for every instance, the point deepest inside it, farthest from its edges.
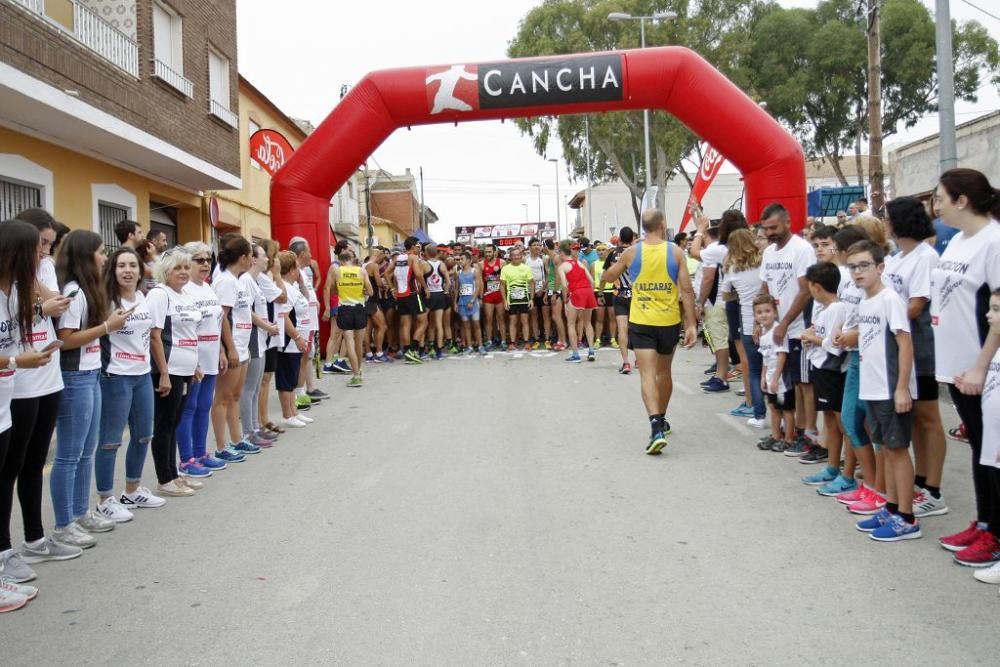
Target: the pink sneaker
(852, 496)
(871, 502)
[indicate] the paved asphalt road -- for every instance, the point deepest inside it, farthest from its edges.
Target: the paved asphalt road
(501, 511)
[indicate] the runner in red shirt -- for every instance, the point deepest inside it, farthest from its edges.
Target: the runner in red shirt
(577, 286)
(492, 296)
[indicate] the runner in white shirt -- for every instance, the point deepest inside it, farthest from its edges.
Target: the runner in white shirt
(307, 391)
(35, 400)
(783, 271)
(968, 269)
(295, 314)
(126, 392)
(742, 281)
(909, 274)
(174, 351)
(81, 260)
(888, 385)
(192, 431)
(273, 289)
(262, 330)
(237, 328)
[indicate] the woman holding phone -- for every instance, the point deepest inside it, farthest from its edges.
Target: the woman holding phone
(19, 256)
(174, 346)
(126, 390)
(78, 268)
(34, 401)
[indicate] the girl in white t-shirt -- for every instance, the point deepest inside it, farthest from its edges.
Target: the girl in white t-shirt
(295, 313)
(741, 282)
(237, 328)
(81, 260)
(19, 289)
(969, 266)
(909, 274)
(126, 391)
(174, 348)
(273, 289)
(262, 330)
(192, 431)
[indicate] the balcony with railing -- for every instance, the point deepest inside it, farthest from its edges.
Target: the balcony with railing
(222, 112)
(76, 20)
(163, 72)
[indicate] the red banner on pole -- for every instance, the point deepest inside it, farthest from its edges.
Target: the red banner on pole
(710, 166)
(270, 150)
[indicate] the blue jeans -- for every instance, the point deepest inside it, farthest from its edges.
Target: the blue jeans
(755, 363)
(192, 431)
(76, 439)
(853, 411)
(127, 399)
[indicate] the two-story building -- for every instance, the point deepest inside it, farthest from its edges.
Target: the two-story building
(116, 109)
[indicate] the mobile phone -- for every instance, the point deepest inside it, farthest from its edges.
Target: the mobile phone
(73, 294)
(53, 346)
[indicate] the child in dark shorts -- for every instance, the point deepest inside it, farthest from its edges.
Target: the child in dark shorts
(779, 392)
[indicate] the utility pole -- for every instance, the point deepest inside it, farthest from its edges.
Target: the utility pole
(589, 202)
(368, 209)
(946, 87)
(423, 216)
(876, 179)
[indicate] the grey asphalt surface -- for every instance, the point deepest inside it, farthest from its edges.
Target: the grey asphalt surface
(501, 512)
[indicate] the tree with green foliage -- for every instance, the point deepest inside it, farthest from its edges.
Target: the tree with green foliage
(718, 30)
(809, 66)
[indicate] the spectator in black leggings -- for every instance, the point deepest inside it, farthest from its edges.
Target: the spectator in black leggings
(173, 345)
(34, 399)
(969, 269)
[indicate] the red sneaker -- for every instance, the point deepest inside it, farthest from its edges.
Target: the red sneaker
(511, 347)
(958, 433)
(961, 540)
(871, 502)
(982, 553)
(852, 496)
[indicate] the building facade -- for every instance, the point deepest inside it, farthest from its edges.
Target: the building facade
(915, 167)
(118, 109)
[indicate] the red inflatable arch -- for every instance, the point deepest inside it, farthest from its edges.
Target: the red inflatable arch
(673, 79)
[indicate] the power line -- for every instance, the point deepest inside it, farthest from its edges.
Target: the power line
(992, 16)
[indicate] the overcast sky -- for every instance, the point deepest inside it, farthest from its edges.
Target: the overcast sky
(474, 173)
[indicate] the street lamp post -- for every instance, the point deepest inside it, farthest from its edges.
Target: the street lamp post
(539, 189)
(658, 16)
(558, 215)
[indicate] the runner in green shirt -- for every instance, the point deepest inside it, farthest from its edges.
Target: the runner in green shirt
(517, 283)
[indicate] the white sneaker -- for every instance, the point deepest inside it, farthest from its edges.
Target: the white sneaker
(73, 536)
(142, 497)
(988, 575)
(11, 586)
(11, 601)
(195, 484)
(92, 522)
(292, 422)
(304, 419)
(924, 504)
(174, 489)
(753, 422)
(112, 510)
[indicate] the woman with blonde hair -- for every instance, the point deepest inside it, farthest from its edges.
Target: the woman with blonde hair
(742, 283)
(876, 231)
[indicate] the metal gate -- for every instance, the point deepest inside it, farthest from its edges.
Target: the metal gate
(15, 197)
(108, 216)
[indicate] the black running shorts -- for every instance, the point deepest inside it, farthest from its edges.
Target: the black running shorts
(352, 318)
(622, 306)
(438, 301)
(411, 305)
(828, 388)
(662, 339)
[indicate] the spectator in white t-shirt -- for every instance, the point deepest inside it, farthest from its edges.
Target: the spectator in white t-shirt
(783, 273)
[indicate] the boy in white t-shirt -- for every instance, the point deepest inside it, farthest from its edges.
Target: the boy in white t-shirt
(773, 378)
(888, 385)
(828, 362)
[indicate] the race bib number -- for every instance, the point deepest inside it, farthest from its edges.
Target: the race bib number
(518, 294)
(492, 285)
(625, 293)
(467, 290)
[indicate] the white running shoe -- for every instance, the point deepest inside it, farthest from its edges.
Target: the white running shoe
(293, 422)
(112, 510)
(924, 504)
(10, 601)
(756, 423)
(172, 488)
(73, 536)
(142, 497)
(304, 419)
(195, 484)
(988, 575)
(92, 522)
(11, 586)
